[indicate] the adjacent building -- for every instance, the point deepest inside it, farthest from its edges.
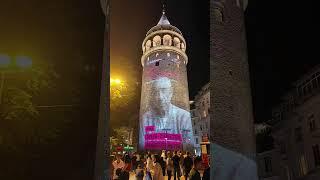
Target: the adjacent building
(201, 117)
(296, 131)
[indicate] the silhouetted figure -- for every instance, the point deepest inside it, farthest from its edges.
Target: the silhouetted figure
(176, 166)
(187, 165)
(194, 173)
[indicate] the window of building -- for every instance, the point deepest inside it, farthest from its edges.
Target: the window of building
(157, 63)
(195, 132)
(298, 134)
(316, 154)
(218, 15)
(176, 42)
(201, 127)
(303, 166)
(156, 41)
(183, 47)
(148, 45)
(204, 113)
(238, 3)
(267, 164)
(283, 149)
(197, 141)
(167, 40)
(312, 123)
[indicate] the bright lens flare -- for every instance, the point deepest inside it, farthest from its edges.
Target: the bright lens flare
(115, 81)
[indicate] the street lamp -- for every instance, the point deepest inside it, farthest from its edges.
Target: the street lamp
(5, 61)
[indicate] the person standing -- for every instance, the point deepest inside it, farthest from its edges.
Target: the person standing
(187, 165)
(118, 166)
(169, 163)
(163, 162)
(139, 172)
(176, 166)
(156, 168)
(138, 159)
(194, 173)
(148, 166)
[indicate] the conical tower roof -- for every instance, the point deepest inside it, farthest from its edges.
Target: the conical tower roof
(163, 20)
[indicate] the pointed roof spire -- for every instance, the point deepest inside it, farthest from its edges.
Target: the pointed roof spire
(163, 20)
(163, 8)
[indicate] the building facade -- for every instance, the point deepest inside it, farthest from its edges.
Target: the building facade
(165, 121)
(232, 124)
(296, 129)
(102, 162)
(201, 117)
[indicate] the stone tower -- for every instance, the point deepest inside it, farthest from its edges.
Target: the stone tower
(231, 108)
(165, 121)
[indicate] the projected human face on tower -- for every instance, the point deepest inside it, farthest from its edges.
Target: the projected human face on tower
(162, 94)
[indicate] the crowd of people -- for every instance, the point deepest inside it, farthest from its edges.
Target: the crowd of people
(155, 166)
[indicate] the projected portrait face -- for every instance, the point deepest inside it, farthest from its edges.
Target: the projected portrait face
(164, 125)
(163, 92)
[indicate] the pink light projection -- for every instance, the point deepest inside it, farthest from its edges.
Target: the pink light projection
(161, 140)
(156, 73)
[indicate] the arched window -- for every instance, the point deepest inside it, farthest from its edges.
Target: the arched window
(156, 41)
(183, 47)
(148, 45)
(176, 42)
(218, 15)
(167, 40)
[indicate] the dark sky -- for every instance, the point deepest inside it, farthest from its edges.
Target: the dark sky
(281, 45)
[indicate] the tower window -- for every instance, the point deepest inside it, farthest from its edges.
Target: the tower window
(218, 15)
(267, 164)
(157, 63)
(238, 3)
(167, 40)
(312, 123)
(316, 154)
(298, 134)
(156, 41)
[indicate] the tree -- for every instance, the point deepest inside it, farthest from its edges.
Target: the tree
(20, 120)
(123, 84)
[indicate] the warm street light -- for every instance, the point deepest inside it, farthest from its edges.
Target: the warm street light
(115, 81)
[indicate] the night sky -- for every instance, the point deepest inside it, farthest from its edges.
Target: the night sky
(69, 34)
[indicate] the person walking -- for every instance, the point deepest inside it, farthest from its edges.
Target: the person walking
(176, 166)
(187, 165)
(169, 163)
